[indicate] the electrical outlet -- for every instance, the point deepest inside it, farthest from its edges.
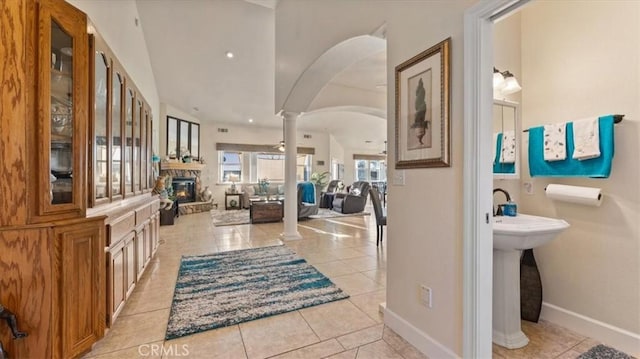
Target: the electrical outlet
(528, 187)
(425, 296)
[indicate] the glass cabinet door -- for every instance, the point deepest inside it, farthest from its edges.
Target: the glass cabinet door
(61, 150)
(128, 145)
(136, 146)
(116, 135)
(143, 149)
(101, 139)
(62, 114)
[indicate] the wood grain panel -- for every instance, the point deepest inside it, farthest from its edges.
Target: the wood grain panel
(130, 264)
(117, 278)
(140, 252)
(82, 283)
(143, 214)
(121, 227)
(13, 114)
(74, 23)
(26, 289)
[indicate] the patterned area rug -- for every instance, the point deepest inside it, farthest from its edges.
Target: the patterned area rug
(223, 289)
(604, 352)
(234, 217)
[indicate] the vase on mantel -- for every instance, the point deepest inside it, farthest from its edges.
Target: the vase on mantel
(530, 287)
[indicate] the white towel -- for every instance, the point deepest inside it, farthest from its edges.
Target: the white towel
(508, 152)
(555, 142)
(586, 138)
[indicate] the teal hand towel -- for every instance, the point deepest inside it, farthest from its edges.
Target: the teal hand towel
(599, 167)
(502, 167)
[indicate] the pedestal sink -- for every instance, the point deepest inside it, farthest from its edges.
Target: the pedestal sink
(510, 236)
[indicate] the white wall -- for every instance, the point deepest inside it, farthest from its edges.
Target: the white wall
(340, 95)
(582, 59)
(425, 215)
(115, 21)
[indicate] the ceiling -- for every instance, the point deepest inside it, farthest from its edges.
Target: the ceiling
(187, 42)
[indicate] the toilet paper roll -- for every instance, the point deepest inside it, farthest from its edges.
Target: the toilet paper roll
(588, 196)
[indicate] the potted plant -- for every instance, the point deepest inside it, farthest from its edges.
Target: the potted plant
(319, 180)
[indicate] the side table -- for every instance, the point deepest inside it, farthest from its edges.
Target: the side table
(233, 200)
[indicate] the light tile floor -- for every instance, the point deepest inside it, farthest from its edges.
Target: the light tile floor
(343, 249)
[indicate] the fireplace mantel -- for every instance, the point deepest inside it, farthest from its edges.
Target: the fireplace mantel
(165, 166)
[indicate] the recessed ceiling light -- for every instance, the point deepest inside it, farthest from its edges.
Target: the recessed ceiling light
(229, 54)
(250, 120)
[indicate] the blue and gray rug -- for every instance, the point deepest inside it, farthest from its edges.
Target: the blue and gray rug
(223, 289)
(602, 351)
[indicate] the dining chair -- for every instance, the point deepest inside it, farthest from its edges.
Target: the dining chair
(380, 213)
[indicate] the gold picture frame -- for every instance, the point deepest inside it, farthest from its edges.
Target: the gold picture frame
(423, 110)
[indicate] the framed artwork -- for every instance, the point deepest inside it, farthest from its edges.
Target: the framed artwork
(422, 109)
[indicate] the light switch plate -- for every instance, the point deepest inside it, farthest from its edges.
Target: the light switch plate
(398, 177)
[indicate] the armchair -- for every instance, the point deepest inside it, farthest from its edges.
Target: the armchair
(326, 197)
(306, 209)
(353, 201)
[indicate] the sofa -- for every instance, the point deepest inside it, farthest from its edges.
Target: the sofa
(251, 191)
(354, 200)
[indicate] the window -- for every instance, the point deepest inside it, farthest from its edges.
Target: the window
(182, 136)
(373, 171)
(250, 166)
(269, 166)
(230, 166)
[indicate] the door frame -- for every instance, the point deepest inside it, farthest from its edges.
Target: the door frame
(478, 177)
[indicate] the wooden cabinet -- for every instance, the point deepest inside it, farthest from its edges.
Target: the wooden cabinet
(120, 163)
(61, 102)
(117, 277)
(81, 288)
(62, 135)
(132, 239)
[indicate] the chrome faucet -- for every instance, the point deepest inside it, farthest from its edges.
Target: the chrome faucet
(498, 212)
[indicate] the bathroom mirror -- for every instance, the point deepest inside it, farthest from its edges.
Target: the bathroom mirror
(506, 139)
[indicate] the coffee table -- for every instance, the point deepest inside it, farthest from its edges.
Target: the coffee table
(266, 211)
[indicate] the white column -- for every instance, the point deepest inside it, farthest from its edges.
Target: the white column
(290, 185)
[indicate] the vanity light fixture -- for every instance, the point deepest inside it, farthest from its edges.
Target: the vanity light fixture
(504, 83)
(498, 79)
(511, 85)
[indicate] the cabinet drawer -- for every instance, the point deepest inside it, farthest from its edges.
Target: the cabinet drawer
(155, 206)
(121, 227)
(143, 214)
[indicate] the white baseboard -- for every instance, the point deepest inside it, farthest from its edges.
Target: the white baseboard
(424, 343)
(616, 337)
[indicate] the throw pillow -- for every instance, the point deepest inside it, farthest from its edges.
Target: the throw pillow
(355, 191)
(280, 189)
(249, 190)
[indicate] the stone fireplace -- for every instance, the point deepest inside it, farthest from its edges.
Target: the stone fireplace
(186, 186)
